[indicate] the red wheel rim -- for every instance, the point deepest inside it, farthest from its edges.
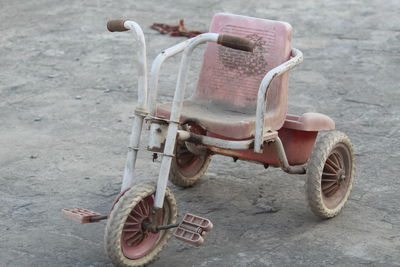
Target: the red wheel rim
(336, 175)
(135, 241)
(188, 163)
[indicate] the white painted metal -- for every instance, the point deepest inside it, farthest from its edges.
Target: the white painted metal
(155, 70)
(141, 108)
(142, 62)
(133, 148)
(211, 141)
(176, 112)
(183, 135)
(297, 58)
(157, 135)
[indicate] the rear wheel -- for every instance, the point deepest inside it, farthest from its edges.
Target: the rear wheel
(127, 242)
(330, 174)
(188, 167)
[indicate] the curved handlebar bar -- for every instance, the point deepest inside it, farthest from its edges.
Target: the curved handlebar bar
(228, 40)
(236, 42)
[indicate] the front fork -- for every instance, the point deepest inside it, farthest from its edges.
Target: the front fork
(157, 129)
(166, 164)
(155, 141)
(133, 148)
(173, 125)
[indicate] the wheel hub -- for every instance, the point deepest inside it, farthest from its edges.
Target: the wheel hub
(341, 175)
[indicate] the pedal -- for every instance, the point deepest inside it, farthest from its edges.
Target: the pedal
(192, 229)
(82, 215)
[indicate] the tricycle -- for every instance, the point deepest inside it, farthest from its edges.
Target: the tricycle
(238, 109)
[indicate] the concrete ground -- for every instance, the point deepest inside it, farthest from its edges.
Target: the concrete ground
(68, 87)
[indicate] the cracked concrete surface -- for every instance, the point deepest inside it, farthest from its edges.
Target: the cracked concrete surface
(59, 150)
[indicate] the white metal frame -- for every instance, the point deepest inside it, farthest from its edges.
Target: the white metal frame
(176, 113)
(141, 108)
(147, 104)
(297, 58)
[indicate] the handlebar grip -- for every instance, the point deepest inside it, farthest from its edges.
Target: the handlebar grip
(236, 42)
(116, 25)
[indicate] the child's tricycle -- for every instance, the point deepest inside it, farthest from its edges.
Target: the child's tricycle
(239, 109)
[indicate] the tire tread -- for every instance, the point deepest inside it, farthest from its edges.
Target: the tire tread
(118, 217)
(314, 172)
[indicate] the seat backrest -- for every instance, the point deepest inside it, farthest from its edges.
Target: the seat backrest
(232, 77)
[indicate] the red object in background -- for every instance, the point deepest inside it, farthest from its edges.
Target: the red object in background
(178, 30)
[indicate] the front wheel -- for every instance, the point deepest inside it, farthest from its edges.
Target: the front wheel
(330, 174)
(127, 243)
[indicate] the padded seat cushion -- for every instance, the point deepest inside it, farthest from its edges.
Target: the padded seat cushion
(216, 118)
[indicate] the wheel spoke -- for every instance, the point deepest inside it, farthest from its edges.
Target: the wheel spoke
(328, 185)
(133, 218)
(137, 211)
(339, 162)
(132, 228)
(332, 163)
(135, 230)
(146, 208)
(130, 223)
(334, 158)
(134, 239)
(330, 168)
(131, 235)
(328, 180)
(150, 206)
(329, 174)
(142, 209)
(331, 189)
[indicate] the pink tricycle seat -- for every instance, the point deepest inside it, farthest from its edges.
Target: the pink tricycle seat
(218, 119)
(226, 94)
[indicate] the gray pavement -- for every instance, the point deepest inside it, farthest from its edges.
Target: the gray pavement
(59, 150)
